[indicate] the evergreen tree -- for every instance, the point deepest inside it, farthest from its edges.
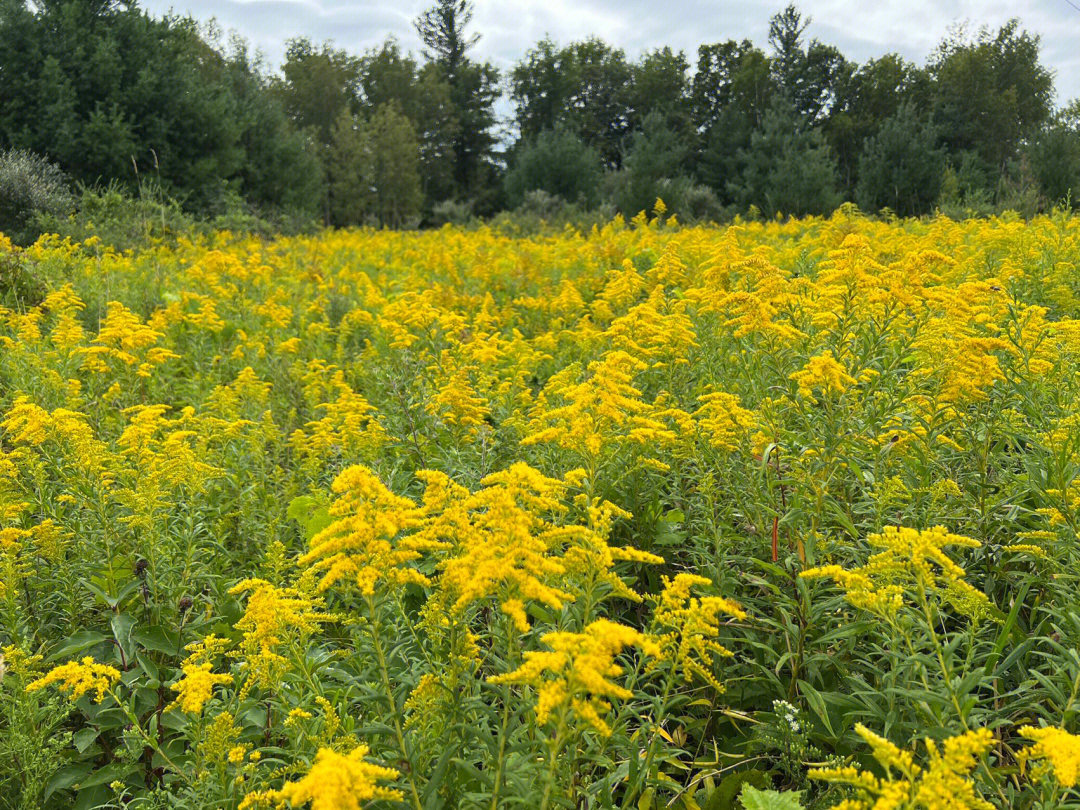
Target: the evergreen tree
(901, 166)
(395, 167)
(787, 168)
(1054, 158)
(423, 96)
(656, 154)
(872, 93)
(350, 198)
(731, 92)
(809, 74)
(473, 90)
(111, 94)
(558, 162)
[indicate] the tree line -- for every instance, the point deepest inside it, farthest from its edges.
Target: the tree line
(110, 94)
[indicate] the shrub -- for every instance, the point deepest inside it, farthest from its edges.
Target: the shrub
(29, 186)
(558, 163)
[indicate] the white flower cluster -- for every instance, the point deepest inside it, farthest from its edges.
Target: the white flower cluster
(789, 714)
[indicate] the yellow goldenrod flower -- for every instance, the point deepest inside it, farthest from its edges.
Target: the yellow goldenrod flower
(76, 678)
(458, 404)
(364, 543)
(910, 559)
(576, 676)
(687, 627)
(271, 617)
(943, 784)
(723, 422)
(605, 409)
(334, 782)
(822, 373)
(196, 687)
(1058, 749)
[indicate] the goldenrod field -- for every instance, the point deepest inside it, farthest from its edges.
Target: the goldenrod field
(769, 516)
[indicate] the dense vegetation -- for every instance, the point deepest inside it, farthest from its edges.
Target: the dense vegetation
(776, 515)
(111, 95)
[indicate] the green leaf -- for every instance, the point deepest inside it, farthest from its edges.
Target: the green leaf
(77, 642)
(122, 625)
(157, 639)
(754, 799)
(724, 796)
(110, 773)
(92, 798)
(311, 512)
(84, 738)
(69, 775)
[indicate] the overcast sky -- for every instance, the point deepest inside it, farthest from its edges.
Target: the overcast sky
(860, 28)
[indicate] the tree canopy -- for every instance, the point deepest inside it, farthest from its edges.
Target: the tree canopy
(110, 94)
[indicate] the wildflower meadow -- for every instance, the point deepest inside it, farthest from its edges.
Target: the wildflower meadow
(777, 515)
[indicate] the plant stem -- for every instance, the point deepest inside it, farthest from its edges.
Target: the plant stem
(384, 672)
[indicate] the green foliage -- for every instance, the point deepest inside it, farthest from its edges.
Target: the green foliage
(30, 187)
(964, 191)
(867, 97)
(809, 74)
(787, 168)
(754, 799)
(423, 95)
(1054, 157)
(585, 86)
(395, 166)
(373, 170)
(473, 89)
(990, 92)
(348, 170)
(33, 746)
(318, 84)
(660, 84)
(120, 219)
(725, 795)
(19, 286)
(692, 202)
(556, 162)
(901, 165)
(656, 154)
(112, 94)
(452, 212)
(731, 92)
(311, 512)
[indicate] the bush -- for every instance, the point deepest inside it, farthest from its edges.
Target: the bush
(29, 186)
(556, 162)
(540, 204)
(125, 222)
(655, 159)
(452, 212)
(690, 201)
(117, 218)
(19, 287)
(901, 166)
